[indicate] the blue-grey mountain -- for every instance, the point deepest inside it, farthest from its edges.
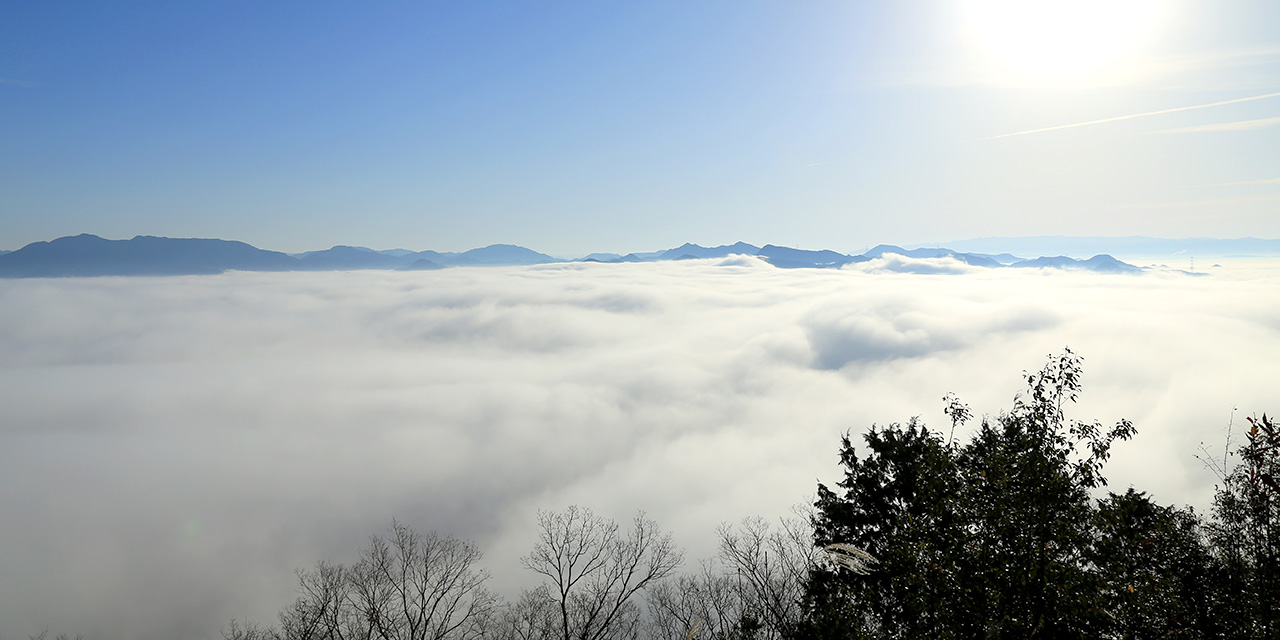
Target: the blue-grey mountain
(687, 250)
(422, 264)
(89, 255)
(343, 257)
(788, 258)
(933, 252)
(1101, 262)
(501, 255)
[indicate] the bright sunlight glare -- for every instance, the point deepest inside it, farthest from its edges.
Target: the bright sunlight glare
(1082, 43)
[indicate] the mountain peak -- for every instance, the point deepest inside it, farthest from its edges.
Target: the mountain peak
(89, 255)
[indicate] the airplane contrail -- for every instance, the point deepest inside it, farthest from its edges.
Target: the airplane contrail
(1136, 115)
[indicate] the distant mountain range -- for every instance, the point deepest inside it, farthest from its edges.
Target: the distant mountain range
(89, 255)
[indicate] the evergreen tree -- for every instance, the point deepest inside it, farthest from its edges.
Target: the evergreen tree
(1155, 571)
(987, 539)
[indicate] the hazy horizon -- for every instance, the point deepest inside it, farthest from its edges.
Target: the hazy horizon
(1149, 248)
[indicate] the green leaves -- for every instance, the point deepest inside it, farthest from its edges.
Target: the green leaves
(991, 537)
(1245, 535)
(1000, 536)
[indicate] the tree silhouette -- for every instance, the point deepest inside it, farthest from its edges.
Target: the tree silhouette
(406, 586)
(990, 538)
(594, 570)
(1245, 536)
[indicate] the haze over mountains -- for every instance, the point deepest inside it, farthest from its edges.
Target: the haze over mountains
(90, 255)
(1125, 246)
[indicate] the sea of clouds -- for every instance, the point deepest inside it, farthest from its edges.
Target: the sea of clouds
(172, 449)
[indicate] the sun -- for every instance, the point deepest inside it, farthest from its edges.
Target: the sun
(1051, 43)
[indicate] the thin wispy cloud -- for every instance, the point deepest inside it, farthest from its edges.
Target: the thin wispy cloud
(1212, 60)
(1186, 71)
(1211, 202)
(1133, 116)
(13, 82)
(1240, 125)
(1237, 69)
(1239, 183)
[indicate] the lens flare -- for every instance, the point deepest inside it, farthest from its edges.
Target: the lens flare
(1060, 44)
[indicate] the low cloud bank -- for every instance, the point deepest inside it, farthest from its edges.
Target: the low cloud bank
(171, 449)
(903, 264)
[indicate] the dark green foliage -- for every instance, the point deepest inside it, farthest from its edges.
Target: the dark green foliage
(993, 538)
(1154, 569)
(903, 514)
(1245, 536)
(1000, 536)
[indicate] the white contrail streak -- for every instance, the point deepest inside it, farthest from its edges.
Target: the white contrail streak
(1136, 115)
(1239, 125)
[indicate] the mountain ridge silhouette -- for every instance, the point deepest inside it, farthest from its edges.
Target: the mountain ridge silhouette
(91, 255)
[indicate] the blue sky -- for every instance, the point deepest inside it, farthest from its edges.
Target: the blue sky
(572, 127)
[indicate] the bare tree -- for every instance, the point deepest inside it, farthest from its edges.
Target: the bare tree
(320, 611)
(408, 586)
(770, 567)
(421, 587)
(534, 616)
(753, 591)
(61, 636)
(243, 631)
(707, 605)
(595, 570)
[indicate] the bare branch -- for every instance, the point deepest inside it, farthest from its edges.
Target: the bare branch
(595, 571)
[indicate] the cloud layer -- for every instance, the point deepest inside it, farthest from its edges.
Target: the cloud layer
(171, 449)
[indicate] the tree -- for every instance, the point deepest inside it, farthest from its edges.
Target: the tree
(708, 605)
(751, 591)
(1245, 536)
(985, 539)
(533, 616)
(771, 567)
(407, 586)
(594, 570)
(1155, 572)
(901, 504)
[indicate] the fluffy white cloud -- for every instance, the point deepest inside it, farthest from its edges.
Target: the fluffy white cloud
(898, 263)
(172, 448)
